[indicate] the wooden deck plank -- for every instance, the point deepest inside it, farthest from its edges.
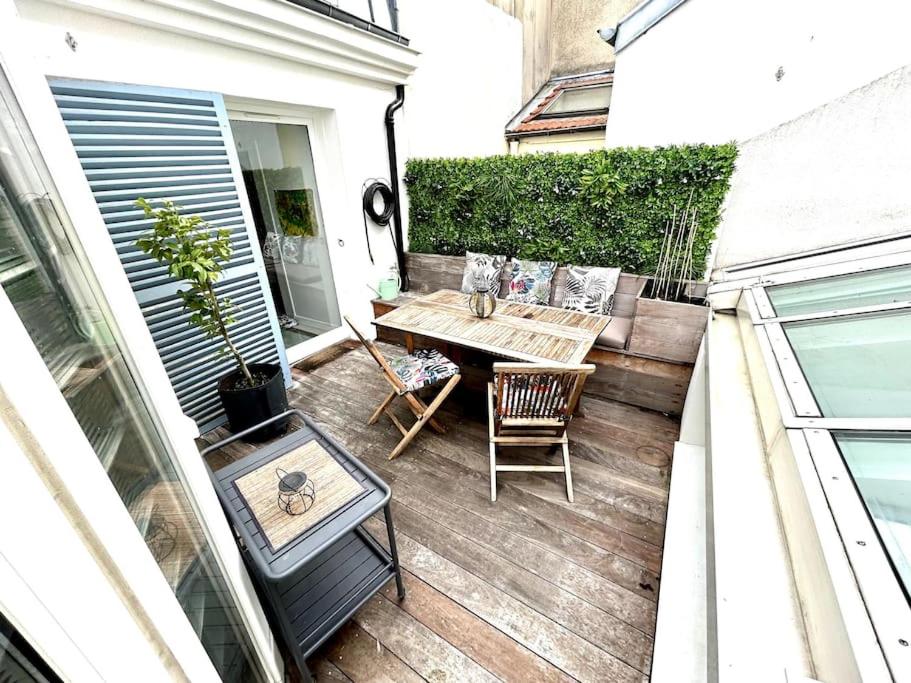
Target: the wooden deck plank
(566, 650)
(607, 632)
(419, 647)
(324, 670)
(527, 588)
(488, 646)
(361, 657)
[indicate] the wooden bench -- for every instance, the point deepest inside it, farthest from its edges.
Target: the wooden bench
(648, 381)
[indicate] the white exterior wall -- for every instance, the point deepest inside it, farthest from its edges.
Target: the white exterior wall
(836, 175)
(469, 80)
(585, 141)
(348, 109)
(707, 71)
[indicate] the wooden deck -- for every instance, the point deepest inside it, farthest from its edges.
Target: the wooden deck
(530, 588)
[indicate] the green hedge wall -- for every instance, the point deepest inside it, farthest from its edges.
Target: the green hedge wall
(604, 208)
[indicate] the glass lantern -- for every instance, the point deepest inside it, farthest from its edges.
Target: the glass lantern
(481, 301)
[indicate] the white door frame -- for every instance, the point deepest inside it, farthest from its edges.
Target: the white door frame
(317, 123)
(51, 613)
(97, 252)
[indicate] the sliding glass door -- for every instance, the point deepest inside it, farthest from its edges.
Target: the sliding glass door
(57, 302)
(280, 179)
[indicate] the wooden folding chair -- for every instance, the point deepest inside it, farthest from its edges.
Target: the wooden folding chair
(407, 375)
(531, 404)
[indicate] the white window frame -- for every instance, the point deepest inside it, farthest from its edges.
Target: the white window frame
(97, 498)
(883, 596)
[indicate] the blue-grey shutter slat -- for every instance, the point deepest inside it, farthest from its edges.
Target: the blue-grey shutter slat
(134, 141)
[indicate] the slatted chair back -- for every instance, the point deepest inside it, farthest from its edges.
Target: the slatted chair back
(532, 391)
(378, 356)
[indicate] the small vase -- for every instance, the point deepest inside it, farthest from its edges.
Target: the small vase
(482, 303)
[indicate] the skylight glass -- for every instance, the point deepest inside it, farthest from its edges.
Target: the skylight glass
(881, 466)
(574, 100)
(856, 366)
(870, 288)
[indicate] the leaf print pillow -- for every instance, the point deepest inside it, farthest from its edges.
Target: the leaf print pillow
(590, 290)
(530, 283)
(482, 266)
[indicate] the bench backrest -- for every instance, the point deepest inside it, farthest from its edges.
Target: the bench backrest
(431, 272)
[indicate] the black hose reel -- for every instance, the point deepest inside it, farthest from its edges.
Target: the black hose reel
(378, 189)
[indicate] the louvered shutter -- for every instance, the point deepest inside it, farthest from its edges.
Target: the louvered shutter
(135, 141)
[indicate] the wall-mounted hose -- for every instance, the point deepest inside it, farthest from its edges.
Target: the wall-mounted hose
(372, 188)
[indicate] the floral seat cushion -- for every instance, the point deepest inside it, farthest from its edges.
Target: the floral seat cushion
(530, 283)
(423, 368)
(482, 268)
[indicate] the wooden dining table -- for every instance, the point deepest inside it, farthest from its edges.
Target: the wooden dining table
(524, 332)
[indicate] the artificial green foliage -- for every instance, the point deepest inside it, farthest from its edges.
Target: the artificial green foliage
(194, 253)
(603, 208)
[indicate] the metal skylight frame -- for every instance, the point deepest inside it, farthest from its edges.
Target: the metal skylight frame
(548, 114)
(886, 598)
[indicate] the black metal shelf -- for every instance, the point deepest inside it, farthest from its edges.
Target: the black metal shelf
(317, 581)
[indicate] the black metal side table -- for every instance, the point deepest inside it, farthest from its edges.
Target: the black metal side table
(314, 580)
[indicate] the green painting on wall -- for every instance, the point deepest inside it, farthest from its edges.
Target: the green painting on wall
(296, 212)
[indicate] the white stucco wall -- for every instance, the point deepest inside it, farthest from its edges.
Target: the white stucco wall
(347, 111)
(469, 79)
(707, 71)
(835, 175)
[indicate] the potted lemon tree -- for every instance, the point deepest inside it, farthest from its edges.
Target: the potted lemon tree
(195, 254)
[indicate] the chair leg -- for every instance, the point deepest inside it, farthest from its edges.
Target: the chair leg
(381, 408)
(418, 407)
(567, 473)
(493, 472)
(425, 418)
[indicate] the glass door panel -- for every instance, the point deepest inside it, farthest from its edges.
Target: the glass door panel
(53, 297)
(279, 176)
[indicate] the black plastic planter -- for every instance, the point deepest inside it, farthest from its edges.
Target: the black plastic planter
(251, 405)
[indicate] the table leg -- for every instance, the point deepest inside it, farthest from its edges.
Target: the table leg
(409, 342)
(387, 511)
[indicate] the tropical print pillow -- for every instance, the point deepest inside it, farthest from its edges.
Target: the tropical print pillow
(485, 267)
(590, 290)
(530, 283)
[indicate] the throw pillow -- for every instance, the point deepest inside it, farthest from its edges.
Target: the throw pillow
(483, 266)
(590, 290)
(530, 283)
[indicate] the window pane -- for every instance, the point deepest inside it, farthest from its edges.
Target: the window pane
(856, 366)
(56, 302)
(881, 467)
(846, 291)
(19, 663)
(581, 99)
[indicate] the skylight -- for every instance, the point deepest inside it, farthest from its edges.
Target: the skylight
(587, 100)
(856, 365)
(836, 340)
(855, 290)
